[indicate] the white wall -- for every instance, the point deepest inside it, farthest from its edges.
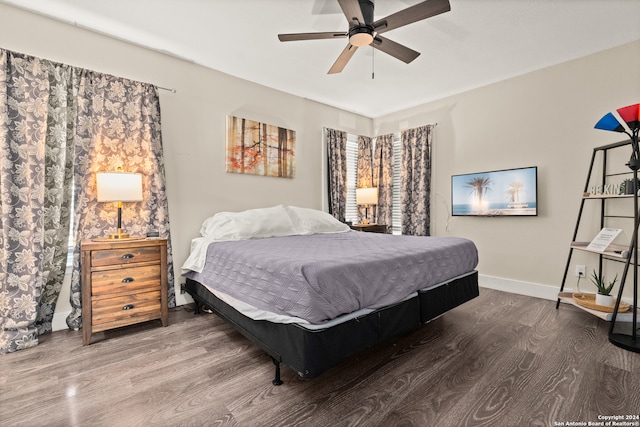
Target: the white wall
(546, 119)
(193, 125)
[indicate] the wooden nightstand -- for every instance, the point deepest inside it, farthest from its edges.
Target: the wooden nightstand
(371, 228)
(123, 282)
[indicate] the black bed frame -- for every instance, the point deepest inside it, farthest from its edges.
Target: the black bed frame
(311, 352)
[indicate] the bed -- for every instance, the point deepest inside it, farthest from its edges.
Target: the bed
(311, 292)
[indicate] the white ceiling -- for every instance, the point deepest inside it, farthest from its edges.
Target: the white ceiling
(477, 43)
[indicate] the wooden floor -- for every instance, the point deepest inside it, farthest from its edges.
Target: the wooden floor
(499, 360)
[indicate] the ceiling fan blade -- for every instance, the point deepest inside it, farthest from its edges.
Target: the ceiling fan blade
(415, 13)
(311, 36)
(342, 60)
(352, 11)
(394, 49)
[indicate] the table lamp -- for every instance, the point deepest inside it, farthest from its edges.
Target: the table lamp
(366, 197)
(119, 187)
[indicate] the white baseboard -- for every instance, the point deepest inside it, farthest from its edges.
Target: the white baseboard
(536, 290)
(59, 321)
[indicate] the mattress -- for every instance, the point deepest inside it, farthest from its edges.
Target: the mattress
(434, 300)
(320, 277)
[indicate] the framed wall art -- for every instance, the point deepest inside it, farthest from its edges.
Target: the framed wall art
(260, 149)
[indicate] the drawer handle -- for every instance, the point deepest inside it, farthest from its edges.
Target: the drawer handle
(128, 280)
(127, 256)
(128, 307)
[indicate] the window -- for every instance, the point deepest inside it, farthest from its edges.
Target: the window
(351, 213)
(352, 179)
(396, 214)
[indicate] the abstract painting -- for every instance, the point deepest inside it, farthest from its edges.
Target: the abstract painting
(259, 148)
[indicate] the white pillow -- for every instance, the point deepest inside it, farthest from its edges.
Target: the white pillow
(312, 221)
(249, 224)
(213, 222)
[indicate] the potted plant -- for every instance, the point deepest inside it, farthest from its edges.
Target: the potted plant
(603, 297)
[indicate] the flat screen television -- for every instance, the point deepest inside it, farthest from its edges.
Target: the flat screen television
(509, 192)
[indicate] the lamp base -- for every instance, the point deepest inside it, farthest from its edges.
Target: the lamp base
(116, 237)
(365, 221)
(119, 236)
(625, 341)
(624, 336)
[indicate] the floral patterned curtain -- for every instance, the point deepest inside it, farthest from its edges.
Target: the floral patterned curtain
(416, 180)
(337, 164)
(383, 179)
(119, 126)
(59, 123)
(37, 115)
(365, 173)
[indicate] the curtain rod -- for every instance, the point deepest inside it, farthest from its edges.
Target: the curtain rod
(62, 63)
(167, 89)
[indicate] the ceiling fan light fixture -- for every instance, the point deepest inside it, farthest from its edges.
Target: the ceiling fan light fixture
(361, 39)
(360, 36)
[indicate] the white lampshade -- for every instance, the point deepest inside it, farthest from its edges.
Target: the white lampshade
(119, 186)
(367, 196)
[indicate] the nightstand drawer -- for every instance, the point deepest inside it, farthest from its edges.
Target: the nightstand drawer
(125, 256)
(125, 309)
(129, 280)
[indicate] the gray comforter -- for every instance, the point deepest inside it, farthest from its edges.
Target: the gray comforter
(322, 276)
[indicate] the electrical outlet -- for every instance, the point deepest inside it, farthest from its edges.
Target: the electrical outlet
(182, 288)
(581, 270)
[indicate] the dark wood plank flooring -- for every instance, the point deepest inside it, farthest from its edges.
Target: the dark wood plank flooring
(499, 360)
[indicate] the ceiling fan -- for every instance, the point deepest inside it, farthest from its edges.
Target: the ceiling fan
(364, 31)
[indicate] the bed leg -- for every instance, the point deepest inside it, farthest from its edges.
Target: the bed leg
(197, 310)
(276, 380)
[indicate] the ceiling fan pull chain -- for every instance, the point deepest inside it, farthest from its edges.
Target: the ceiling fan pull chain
(373, 68)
